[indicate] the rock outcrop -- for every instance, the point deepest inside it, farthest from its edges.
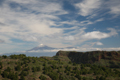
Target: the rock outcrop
(104, 58)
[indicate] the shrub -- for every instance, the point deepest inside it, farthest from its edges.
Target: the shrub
(74, 64)
(1, 65)
(68, 68)
(13, 76)
(102, 78)
(18, 68)
(84, 78)
(8, 69)
(42, 77)
(97, 78)
(70, 62)
(78, 76)
(24, 73)
(22, 77)
(26, 69)
(53, 75)
(38, 68)
(5, 74)
(34, 69)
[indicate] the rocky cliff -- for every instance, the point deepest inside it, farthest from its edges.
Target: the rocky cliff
(104, 58)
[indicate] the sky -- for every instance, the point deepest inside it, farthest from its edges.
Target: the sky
(87, 24)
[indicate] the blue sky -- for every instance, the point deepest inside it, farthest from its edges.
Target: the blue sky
(88, 24)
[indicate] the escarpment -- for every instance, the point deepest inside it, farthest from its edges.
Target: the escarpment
(104, 58)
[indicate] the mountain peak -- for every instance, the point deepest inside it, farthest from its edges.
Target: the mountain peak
(41, 45)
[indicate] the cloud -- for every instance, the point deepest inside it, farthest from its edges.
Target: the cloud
(1, 41)
(95, 35)
(73, 22)
(99, 35)
(99, 20)
(92, 16)
(37, 21)
(114, 7)
(113, 32)
(69, 38)
(1, 2)
(81, 23)
(115, 10)
(29, 20)
(41, 6)
(87, 7)
(2, 24)
(99, 43)
(98, 8)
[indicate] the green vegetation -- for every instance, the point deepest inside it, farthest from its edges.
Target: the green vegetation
(20, 67)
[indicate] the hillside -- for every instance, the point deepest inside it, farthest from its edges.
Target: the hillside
(102, 58)
(60, 67)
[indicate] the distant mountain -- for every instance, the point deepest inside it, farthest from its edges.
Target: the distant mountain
(41, 47)
(44, 48)
(70, 47)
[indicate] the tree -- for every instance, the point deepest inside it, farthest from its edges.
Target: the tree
(4, 56)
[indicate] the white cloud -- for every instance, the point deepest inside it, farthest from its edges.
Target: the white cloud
(42, 6)
(86, 22)
(95, 35)
(87, 7)
(99, 20)
(69, 38)
(27, 25)
(82, 23)
(99, 35)
(113, 31)
(114, 7)
(1, 41)
(92, 16)
(5, 38)
(23, 1)
(69, 22)
(99, 43)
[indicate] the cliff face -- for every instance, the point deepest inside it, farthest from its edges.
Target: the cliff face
(105, 58)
